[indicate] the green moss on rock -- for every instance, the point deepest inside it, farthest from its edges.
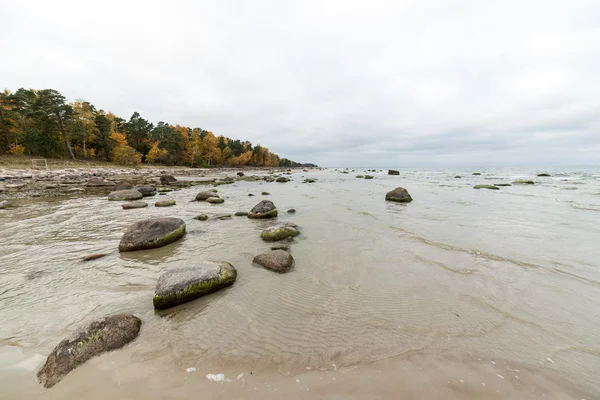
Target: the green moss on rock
(492, 187)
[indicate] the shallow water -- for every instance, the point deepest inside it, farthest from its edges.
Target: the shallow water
(511, 275)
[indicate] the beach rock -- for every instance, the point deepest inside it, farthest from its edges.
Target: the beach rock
(95, 256)
(275, 260)
(492, 187)
(399, 194)
(180, 285)
(223, 217)
(280, 246)
(309, 180)
(360, 176)
(107, 334)
(152, 233)
(119, 195)
(123, 185)
(523, 182)
(369, 177)
(502, 184)
(3, 204)
(264, 209)
(544, 174)
(96, 182)
(167, 179)
(250, 195)
(201, 217)
(215, 200)
(134, 204)
(165, 203)
(279, 232)
(476, 173)
(282, 179)
(266, 193)
(146, 190)
(457, 177)
(240, 174)
(202, 196)
(393, 172)
(241, 214)
(291, 210)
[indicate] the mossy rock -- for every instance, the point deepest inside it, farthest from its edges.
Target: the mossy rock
(180, 285)
(264, 209)
(201, 217)
(502, 184)
(476, 173)
(152, 233)
(309, 180)
(266, 193)
(291, 211)
(241, 214)
(279, 232)
(165, 203)
(203, 196)
(523, 182)
(215, 200)
(250, 195)
(544, 174)
(457, 177)
(360, 176)
(107, 334)
(369, 177)
(492, 187)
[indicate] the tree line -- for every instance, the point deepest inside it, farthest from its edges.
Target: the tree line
(42, 123)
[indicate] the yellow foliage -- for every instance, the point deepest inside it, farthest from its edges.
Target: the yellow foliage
(153, 154)
(126, 155)
(17, 149)
(119, 138)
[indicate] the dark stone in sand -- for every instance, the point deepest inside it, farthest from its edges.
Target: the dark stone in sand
(240, 174)
(250, 195)
(107, 334)
(201, 217)
(543, 175)
(223, 217)
(146, 190)
(458, 177)
(215, 200)
(266, 193)
(523, 182)
(399, 194)
(167, 179)
(279, 232)
(393, 172)
(134, 204)
(264, 209)
(96, 256)
(502, 184)
(241, 214)
(476, 173)
(180, 285)
(282, 179)
(360, 176)
(130, 194)
(369, 177)
(152, 233)
(309, 180)
(291, 210)
(165, 203)
(276, 260)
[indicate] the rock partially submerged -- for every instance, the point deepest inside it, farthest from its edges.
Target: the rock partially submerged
(3, 204)
(123, 185)
(134, 204)
(241, 214)
(95, 256)
(152, 233)
(165, 203)
(101, 336)
(291, 210)
(280, 246)
(369, 177)
(201, 217)
(215, 200)
(264, 209)
(167, 179)
(180, 285)
(120, 195)
(502, 184)
(146, 190)
(492, 187)
(544, 175)
(399, 195)
(523, 182)
(203, 196)
(393, 172)
(97, 182)
(276, 260)
(282, 179)
(279, 232)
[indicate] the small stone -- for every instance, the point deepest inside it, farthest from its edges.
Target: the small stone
(123, 185)
(215, 200)
(241, 214)
(492, 187)
(279, 232)
(90, 257)
(393, 172)
(544, 175)
(201, 217)
(457, 177)
(250, 195)
(523, 182)
(120, 195)
(276, 260)
(476, 173)
(3, 204)
(146, 190)
(223, 217)
(280, 246)
(369, 177)
(165, 203)
(399, 195)
(265, 193)
(291, 210)
(167, 179)
(134, 204)
(202, 196)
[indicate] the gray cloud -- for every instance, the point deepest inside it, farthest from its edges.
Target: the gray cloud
(396, 83)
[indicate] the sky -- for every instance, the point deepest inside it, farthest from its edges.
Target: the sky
(337, 83)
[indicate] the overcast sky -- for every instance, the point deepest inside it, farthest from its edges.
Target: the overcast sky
(337, 83)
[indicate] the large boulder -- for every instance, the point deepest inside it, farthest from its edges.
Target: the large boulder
(276, 260)
(123, 185)
(279, 232)
(152, 233)
(180, 285)
(134, 204)
(106, 334)
(167, 179)
(393, 172)
(203, 196)
(146, 190)
(130, 194)
(97, 182)
(264, 209)
(399, 194)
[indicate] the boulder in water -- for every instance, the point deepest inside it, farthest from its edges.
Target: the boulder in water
(275, 260)
(180, 285)
(146, 190)
(523, 182)
(476, 173)
(282, 179)
(120, 195)
(240, 174)
(291, 210)
(201, 217)
(399, 194)
(107, 334)
(97, 182)
(123, 185)
(152, 233)
(202, 196)
(215, 200)
(279, 232)
(3, 204)
(492, 187)
(264, 209)
(134, 204)
(544, 175)
(165, 203)
(369, 177)
(167, 179)
(393, 172)
(241, 214)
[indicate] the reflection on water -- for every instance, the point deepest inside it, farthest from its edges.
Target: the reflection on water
(512, 274)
